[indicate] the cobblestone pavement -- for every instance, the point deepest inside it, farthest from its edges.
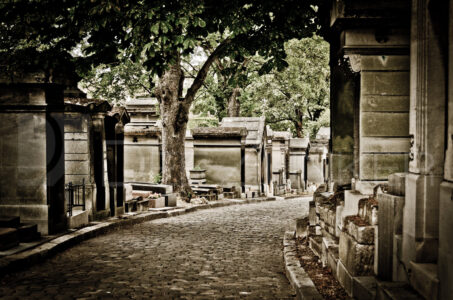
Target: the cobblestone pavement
(223, 253)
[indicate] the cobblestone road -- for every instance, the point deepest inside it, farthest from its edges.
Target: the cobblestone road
(230, 252)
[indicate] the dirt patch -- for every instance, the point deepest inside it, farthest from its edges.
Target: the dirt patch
(323, 278)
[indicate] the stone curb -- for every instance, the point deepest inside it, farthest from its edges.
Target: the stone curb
(25, 259)
(299, 279)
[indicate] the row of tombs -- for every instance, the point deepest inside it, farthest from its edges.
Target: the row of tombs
(383, 223)
(67, 160)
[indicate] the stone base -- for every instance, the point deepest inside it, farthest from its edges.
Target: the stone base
(445, 260)
(157, 203)
(357, 258)
(78, 219)
(36, 214)
(421, 219)
(344, 278)
(395, 291)
(424, 280)
(101, 215)
(366, 187)
(364, 287)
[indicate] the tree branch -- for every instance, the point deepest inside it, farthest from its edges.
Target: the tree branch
(201, 76)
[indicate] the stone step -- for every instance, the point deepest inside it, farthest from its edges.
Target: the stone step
(424, 280)
(364, 287)
(396, 291)
(28, 232)
(9, 238)
(315, 243)
(9, 221)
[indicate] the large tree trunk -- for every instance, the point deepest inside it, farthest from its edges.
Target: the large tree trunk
(299, 124)
(174, 112)
(234, 106)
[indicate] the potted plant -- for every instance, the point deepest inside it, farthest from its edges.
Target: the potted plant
(198, 173)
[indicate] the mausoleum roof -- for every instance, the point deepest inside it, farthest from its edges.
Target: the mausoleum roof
(219, 132)
(255, 127)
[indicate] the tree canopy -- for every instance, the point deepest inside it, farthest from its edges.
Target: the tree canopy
(158, 35)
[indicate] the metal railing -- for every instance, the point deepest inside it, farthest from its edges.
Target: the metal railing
(75, 195)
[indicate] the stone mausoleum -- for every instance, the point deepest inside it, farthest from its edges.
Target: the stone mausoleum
(383, 223)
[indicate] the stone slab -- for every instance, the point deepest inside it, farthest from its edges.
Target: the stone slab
(344, 278)
(384, 145)
(445, 260)
(380, 166)
(364, 287)
(384, 124)
(357, 258)
(385, 83)
(397, 184)
(424, 280)
(384, 103)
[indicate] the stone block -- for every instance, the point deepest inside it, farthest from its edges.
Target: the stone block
(384, 83)
(421, 218)
(170, 199)
(327, 245)
(344, 278)
(380, 166)
(222, 164)
(78, 219)
(445, 260)
(301, 227)
(341, 168)
(332, 260)
(312, 213)
(395, 291)
(364, 287)
(424, 280)
(351, 204)
(377, 124)
(397, 184)
(384, 103)
(338, 219)
(384, 144)
(315, 244)
(390, 224)
(157, 203)
(362, 234)
(357, 258)
(384, 62)
(77, 168)
(76, 146)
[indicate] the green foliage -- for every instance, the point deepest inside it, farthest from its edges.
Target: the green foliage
(157, 178)
(297, 97)
(117, 82)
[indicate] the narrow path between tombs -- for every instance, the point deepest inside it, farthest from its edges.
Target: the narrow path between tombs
(229, 252)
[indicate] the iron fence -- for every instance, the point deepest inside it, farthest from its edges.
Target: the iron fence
(75, 195)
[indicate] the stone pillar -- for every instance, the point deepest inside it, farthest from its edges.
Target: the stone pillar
(100, 166)
(427, 129)
(343, 92)
(119, 139)
(445, 258)
(32, 151)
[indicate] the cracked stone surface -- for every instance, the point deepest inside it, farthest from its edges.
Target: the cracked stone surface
(223, 253)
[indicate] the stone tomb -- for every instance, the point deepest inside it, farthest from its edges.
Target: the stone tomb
(256, 160)
(32, 150)
(298, 148)
(142, 142)
(221, 152)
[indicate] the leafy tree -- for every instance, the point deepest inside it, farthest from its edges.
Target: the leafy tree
(298, 96)
(117, 82)
(159, 34)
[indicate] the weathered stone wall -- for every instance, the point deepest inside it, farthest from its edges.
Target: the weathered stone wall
(252, 169)
(384, 116)
(78, 155)
(141, 158)
(32, 154)
(222, 164)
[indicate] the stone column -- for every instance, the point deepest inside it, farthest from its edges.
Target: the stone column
(427, 129)
(100, 166)
(32, 151)
(445, 259)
